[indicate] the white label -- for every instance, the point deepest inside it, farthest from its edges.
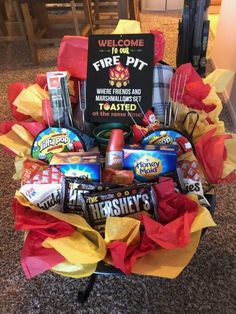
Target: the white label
(114, 159)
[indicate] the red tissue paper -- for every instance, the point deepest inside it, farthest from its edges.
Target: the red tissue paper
(44, 224)
(195, 90)
(159, 45)
(176, 214)
(36, 259)
(32, 127)
(73, 56)
(124, 256)
(211, 154)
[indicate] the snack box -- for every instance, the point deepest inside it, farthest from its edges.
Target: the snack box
(85, 165)
(149, 162)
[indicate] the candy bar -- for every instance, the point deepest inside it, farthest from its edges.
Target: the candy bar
(73, 190)
(125, 201)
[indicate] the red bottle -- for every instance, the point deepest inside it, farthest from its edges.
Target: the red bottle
(114, 150)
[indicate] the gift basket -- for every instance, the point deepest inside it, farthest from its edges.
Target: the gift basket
(117, 158)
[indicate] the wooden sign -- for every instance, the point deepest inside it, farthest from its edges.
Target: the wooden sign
(119, 77)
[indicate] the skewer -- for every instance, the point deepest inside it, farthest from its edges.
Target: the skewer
(168, 109)
(167, 105)
(176, 96)
(181, 98)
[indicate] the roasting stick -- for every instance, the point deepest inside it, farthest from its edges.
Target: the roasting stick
(167, 105)
(177, 94)
(181, 98)
(168, 108)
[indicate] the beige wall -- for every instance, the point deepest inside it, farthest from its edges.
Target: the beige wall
(224, 48)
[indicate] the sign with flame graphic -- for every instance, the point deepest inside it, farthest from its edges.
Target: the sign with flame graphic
(119, 79)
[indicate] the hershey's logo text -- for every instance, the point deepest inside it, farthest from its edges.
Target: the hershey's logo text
(120, 207)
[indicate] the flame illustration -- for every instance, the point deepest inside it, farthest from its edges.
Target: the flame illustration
(119, 75)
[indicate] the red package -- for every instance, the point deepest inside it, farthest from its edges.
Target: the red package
(113, 176)
(164, 188)
(73, 56)
(139, 132)
(38, 172)
(47, 112)
(159, 45)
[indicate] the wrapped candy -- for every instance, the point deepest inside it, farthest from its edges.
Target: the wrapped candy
(150, 120)
(113, 176)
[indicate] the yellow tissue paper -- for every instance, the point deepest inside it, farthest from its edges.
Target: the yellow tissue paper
(23, 133)
(84, 246)
(18, 167)
(219, 79)
(29, 101)
(127, 27)
(15, 143)
(74, 271)
(161, 262)
(76, 248)
(170, 263)
(122, 229)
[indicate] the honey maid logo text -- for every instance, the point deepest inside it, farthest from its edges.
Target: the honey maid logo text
(148, 166)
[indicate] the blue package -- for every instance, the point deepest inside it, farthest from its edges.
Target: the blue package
(149, 162)
(85, 165)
